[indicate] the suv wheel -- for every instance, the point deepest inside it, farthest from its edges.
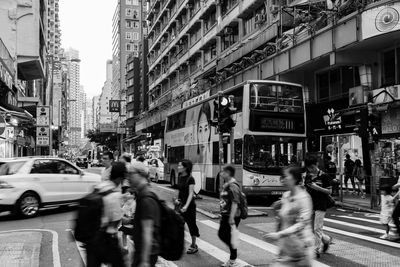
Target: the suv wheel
(28, 205)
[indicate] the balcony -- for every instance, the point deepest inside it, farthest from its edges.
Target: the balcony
(7, 62)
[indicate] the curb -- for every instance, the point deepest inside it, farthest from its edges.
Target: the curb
(354, 207)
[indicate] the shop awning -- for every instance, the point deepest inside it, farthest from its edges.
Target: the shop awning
(15, 111)
(134, 139)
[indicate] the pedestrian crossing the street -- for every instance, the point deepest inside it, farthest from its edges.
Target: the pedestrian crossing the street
(353, 245)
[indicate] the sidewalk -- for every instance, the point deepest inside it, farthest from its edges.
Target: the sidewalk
(20, 249)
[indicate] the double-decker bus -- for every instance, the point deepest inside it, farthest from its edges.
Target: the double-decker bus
(269, 134)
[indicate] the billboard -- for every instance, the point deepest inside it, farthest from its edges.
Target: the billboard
(115, 105)
(108, 128)
(380, 20)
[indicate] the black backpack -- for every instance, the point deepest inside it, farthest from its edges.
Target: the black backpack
(88, 220)
(243, 206)
(172, 231)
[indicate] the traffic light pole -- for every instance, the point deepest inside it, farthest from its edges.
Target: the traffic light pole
(221, 137)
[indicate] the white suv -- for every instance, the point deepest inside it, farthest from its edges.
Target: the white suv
(27, 184)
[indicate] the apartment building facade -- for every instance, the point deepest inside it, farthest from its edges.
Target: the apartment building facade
(23, 73)
(104, 115)
(338, 50)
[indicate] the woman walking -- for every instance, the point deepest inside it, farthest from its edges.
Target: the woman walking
(358, 173)
(186, 200)
(294, 236)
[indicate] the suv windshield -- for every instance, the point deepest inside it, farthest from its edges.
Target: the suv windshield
(9, 168)
(269, 154)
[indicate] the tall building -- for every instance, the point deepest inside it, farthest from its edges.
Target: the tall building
(23, 74)
(89, 115)
(95, 112)
(126, 40)
(54, 51)
(83, 114)
(74, 102)
(106, 94)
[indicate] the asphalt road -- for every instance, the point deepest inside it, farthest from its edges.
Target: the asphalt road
(47, 239)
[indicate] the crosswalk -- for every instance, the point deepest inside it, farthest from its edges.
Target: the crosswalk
(356, 243)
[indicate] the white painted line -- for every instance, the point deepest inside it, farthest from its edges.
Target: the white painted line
(164, 188)
(81, 250)
(371, 229)
(164, 263)
(358, 219)
(54, 245)
(257, 242)
(212, 250)
(362, 237)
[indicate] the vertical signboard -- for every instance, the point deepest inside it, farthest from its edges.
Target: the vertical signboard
(43, 126)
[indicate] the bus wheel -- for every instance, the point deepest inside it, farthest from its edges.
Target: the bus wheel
(173, 182)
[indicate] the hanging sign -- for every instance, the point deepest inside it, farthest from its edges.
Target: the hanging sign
(333, 120)
(42, 136)
(43, 116)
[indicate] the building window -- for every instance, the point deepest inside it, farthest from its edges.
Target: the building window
(391, 67)
(135, 47)
(130, 82)
(129, 47)
(128, 35)
(130, 66)
(129, 24)
(130, 98)
(135, 14)
(335, 83)
(135, 24)
(129, 12)
(129, 2)
(136, 36)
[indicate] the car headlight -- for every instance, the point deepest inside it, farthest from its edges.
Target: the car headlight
(5, 185)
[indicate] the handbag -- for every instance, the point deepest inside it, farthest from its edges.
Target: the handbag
(331, 202)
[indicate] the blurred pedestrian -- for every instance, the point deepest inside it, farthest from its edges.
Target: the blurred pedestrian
(358, 174)
(396, 211)
(331, 170)
(126, 158)
(294, 235)
(187, 202)
(108, 159)
(230, 212)
(387, 207)
(128, 210)
(147, 221)
(348, 173)
(105, 247)
(318, 186)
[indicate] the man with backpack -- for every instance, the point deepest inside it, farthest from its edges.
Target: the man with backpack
(233, 208)
(147, 221)
(157, 229)
(98, 219)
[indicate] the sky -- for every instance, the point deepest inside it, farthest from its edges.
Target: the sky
(86, 25)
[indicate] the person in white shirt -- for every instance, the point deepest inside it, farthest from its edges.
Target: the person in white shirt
(108, 159)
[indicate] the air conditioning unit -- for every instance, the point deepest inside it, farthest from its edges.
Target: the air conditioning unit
(228, 31)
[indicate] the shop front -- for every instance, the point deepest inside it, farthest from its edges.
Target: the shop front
(335, 132)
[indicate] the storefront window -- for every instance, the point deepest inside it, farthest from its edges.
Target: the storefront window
(389, 68)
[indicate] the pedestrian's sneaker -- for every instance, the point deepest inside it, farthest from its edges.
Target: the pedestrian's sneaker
(192, 249)
(326, 245)
(385, 236)
(230, 263)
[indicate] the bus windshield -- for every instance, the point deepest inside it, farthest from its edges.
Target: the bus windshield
(269, 154)
(276, 98)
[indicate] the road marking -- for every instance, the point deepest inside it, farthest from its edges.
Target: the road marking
(357, 219)
(371, 229)
(212, 250)
(256, 242)
(55, 251)
(81, 250)
(363, 237)
(165, 188)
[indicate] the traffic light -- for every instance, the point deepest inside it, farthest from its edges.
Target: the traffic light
(374, 124)
(223, 109)
(360, 121)
(227, 108)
